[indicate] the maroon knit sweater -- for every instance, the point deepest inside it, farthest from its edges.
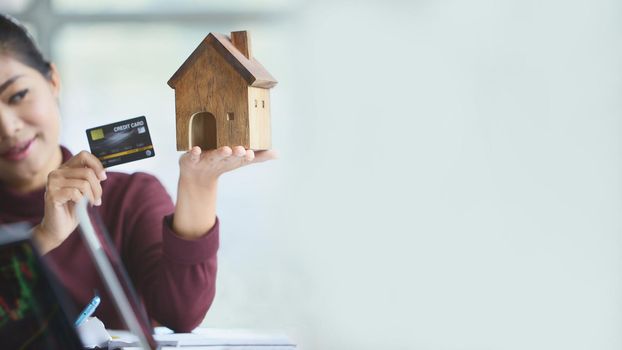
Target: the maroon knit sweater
(174, 277)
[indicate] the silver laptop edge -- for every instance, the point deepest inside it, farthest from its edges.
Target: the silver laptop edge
(109, 277)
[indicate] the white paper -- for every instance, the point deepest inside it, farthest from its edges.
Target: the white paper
(210, 338)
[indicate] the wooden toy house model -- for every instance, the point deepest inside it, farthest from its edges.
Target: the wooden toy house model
(222, 96)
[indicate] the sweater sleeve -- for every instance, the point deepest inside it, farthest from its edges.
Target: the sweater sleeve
(174, 276)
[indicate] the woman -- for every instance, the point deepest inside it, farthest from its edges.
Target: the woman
(169, 250)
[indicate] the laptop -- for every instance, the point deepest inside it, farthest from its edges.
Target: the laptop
(115, 277)
(35, 313)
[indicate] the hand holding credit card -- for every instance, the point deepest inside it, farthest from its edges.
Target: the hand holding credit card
(121, 142)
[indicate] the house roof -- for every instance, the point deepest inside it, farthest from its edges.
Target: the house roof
(250, 69)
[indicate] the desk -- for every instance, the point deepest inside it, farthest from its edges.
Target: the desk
(209, 338)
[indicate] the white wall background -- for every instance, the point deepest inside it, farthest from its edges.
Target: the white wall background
(449, 176)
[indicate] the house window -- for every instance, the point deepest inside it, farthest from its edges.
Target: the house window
(263, 104)
(255, 103)
(230, 116)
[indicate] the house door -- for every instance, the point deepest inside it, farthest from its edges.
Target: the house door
(203, 131)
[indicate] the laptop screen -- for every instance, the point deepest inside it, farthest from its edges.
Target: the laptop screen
(114, 275)
(32, 308)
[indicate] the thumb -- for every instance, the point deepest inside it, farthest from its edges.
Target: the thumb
(195, 154)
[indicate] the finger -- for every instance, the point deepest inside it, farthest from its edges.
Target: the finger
(262, 156)
(84, 174)
(195, 154)
(224, 151)
(239, 151)
(64, 195)
(57, 177)
(86, 159)
(215, 154)
(249, 156)
(83, 186)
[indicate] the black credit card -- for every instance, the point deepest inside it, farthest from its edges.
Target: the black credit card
(121, 142)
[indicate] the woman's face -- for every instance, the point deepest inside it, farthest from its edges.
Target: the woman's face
(29, 122)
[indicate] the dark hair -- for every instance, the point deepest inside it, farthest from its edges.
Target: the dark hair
(16, 42)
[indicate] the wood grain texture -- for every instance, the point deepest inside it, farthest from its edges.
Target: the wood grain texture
(242, 41)
(222, 96)
(250, 69)
(188, 63)
(212, 85)
(203, 131)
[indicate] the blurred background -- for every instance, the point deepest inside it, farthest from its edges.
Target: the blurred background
(450, 173)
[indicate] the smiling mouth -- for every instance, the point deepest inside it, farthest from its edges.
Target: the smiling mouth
(19, 151)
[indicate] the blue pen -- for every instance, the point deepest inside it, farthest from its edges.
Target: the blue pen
(88, 311)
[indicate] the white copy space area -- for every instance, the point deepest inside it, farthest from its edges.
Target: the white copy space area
(450, 170)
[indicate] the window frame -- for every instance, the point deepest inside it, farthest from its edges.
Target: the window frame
(46, 21)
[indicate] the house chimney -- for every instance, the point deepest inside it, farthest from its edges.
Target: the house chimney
(242, 41)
